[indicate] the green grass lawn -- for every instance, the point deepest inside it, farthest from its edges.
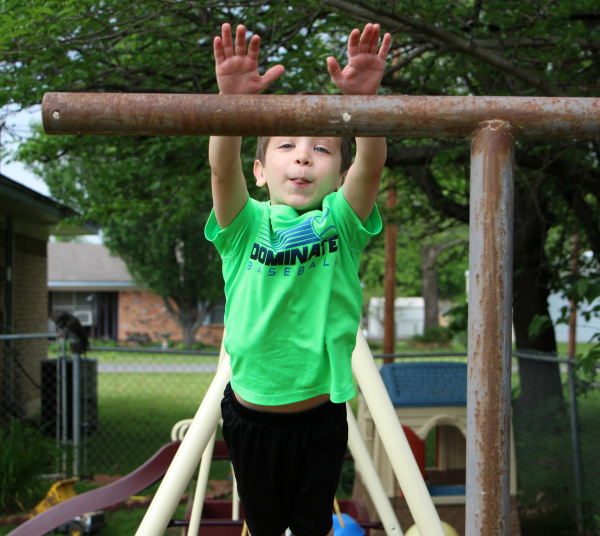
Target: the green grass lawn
(116, 356)
(136, 413)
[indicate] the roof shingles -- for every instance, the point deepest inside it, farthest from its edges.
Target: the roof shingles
(72, 261)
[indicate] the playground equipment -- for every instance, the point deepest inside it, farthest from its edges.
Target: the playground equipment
(64, 512)
(64, 509)
(428, 395)
(61, 491)
(493, 124)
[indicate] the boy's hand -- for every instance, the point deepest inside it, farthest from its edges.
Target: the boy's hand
(237, 72)
(364, 71)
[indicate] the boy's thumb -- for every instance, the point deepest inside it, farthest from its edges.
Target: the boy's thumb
(334, 68)
(273, 74)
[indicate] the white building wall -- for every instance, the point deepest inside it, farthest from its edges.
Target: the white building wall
(409, 317)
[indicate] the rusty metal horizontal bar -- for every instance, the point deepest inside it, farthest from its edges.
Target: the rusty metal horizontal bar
(253, 115)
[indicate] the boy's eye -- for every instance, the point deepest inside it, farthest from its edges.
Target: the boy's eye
(286, 146)
(321, 150)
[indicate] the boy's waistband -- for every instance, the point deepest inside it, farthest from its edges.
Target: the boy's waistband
(269, 417)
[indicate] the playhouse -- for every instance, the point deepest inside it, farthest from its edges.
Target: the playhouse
(430, 396)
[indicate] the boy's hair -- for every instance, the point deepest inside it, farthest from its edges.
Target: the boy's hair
(346, 146)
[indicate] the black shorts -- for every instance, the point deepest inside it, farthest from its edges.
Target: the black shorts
(287, 465)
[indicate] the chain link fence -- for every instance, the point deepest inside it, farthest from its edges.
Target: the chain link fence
(557, 438)
(129, 400)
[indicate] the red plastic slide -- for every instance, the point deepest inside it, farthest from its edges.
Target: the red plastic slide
(140, 479)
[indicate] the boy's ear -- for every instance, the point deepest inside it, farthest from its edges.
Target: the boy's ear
(259, 173)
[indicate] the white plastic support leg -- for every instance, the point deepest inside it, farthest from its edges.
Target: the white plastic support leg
(368, 473)
(187, 457)
(235, 499)
(395, 442)
(201, 487)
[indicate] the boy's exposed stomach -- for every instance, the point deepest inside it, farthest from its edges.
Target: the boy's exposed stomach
(294, 407)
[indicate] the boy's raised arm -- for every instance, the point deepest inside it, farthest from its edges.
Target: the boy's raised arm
(362, 76)
(237, 74)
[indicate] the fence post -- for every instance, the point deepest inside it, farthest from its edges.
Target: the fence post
(76, 413)
(575, 444)
(490, 330)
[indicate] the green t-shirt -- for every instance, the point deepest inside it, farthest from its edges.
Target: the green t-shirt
(293, 298)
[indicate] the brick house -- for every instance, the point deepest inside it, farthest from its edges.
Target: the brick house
(27, 219)
(87, 281)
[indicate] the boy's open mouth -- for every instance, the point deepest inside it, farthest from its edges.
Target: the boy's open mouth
(300, 182)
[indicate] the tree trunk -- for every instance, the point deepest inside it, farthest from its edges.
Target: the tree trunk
(540, 380)
(429, 289)
(429, 273)
(189, 317)
(189, 335)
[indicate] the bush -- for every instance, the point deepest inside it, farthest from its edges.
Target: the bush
(25, 454)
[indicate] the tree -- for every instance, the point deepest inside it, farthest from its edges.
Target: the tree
(151, 195)
(498, 49)
(152, 200)
(440, 48)
(428, 261)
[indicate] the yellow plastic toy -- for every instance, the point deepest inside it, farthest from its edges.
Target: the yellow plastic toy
(59, 492)
(448, 529)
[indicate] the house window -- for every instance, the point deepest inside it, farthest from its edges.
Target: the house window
(79, 304)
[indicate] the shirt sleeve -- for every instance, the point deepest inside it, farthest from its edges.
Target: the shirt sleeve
(231, 238)
(354, 232)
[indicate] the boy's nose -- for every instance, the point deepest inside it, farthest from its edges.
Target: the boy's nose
(302, 159)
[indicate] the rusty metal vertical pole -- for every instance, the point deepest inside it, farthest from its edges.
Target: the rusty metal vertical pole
(391, 238)
(490, 330)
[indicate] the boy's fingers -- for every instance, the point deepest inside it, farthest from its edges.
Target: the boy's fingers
(386, 43)
(254, 47)
(218, 50)
(227, 43)
(334, 69)
(374, 39)
(365, 39)
(353, 42)
(240, 40)
(272, 74)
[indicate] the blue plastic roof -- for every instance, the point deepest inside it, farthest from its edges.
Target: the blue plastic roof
(426, 384)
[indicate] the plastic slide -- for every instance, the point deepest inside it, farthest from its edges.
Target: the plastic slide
(140, 479)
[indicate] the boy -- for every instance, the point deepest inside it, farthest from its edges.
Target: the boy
(293, 294)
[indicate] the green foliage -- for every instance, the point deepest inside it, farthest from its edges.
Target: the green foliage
(587, 363)
(417, 226)
(539, 324)
(150, 195)
(25, 454)
(152, 199)
(440, 48)
(436, 335)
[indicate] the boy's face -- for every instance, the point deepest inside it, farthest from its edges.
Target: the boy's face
(300, 171)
